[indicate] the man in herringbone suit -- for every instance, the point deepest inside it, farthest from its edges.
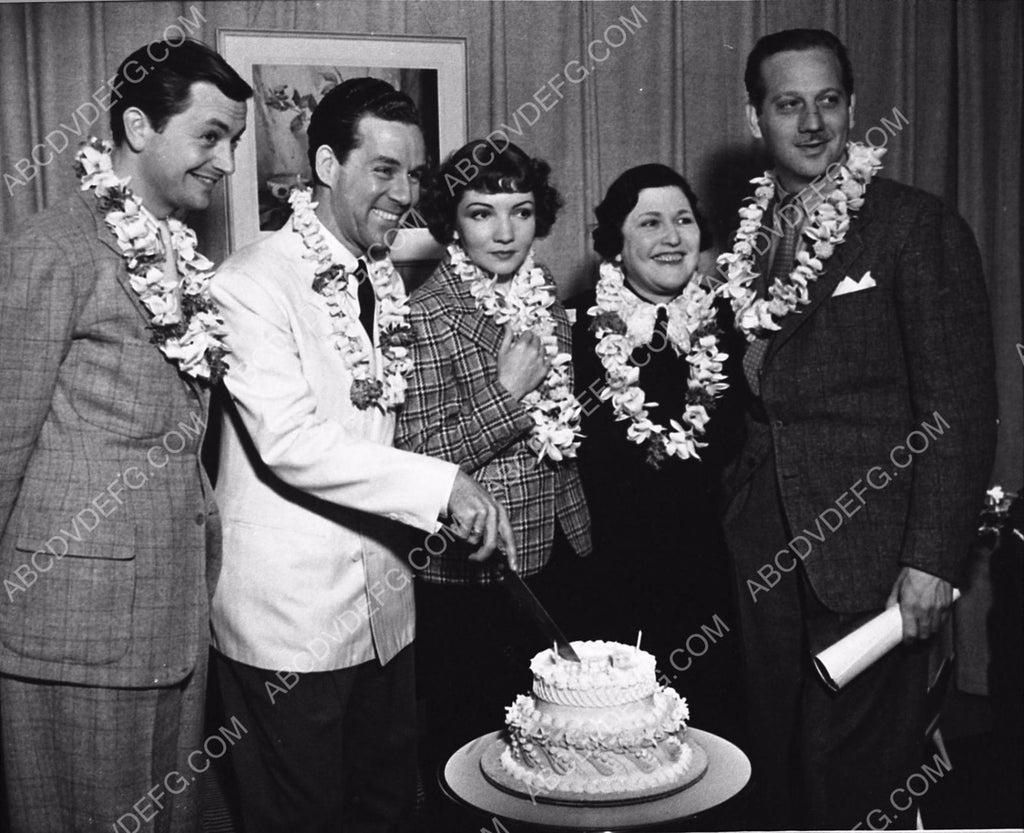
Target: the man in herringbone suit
(107, 519)
(870, 437)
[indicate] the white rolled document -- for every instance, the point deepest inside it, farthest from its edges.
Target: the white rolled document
(841, 662)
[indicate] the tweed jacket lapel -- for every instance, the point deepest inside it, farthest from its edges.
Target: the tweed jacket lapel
(105, 236)
(825, 285)
(477, 328)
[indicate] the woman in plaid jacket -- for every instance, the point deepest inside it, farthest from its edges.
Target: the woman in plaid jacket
(491, 390)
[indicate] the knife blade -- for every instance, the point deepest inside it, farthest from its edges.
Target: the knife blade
(530, 604)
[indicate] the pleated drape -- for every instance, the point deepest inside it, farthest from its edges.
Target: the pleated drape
(939, 81)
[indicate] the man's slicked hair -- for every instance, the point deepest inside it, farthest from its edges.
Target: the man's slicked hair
(157, 78)
(792, 40)
(335, 121)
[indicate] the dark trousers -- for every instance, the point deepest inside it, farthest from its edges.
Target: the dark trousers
(336, 752)
(820, 760)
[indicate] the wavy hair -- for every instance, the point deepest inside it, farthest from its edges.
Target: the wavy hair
(480, 166)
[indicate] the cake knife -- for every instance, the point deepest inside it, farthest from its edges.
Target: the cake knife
(530, 604)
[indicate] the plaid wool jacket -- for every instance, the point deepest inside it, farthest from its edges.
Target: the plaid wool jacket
(457, 410)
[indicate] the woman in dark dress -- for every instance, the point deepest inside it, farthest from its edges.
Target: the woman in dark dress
(649, 360)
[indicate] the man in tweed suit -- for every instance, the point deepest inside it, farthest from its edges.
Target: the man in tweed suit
(105, 511)
(870, 437)
(313, 613)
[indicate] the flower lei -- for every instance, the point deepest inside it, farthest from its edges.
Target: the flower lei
(331, 282)
(623, 322)
(186, 323)
(826, 228)
(527, 306)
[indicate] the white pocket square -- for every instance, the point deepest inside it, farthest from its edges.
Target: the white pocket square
(848, 284)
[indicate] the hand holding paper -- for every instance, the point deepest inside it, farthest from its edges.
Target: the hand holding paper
(924, 601)
(841, 662)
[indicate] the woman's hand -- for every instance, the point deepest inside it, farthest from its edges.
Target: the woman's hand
(522, 363)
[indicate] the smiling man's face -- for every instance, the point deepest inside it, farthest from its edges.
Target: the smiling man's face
(376, 184)
(806, 115)
(179, 166)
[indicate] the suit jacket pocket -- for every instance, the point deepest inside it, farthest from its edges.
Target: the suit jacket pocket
(70, 601)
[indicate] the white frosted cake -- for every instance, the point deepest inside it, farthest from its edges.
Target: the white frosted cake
(597, 730)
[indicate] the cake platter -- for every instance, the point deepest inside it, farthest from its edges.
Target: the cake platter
(496, 775)
(462, 779)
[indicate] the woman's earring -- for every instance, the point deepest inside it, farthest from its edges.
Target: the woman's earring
(618, 258)
(455, 235)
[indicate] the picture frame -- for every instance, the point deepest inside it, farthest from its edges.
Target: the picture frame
(289, 72)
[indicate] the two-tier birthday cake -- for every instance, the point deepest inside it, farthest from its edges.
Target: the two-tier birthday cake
(595, 731)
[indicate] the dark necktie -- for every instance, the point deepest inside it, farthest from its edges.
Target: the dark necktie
(662, 373)
(782, 265)
(366, 296)
(659, 335)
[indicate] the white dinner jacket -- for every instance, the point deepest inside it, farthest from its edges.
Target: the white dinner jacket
(314, 499)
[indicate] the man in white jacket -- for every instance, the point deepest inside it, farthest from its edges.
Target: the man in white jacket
(313, 617)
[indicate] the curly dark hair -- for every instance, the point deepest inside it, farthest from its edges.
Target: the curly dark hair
(622, 197)
(480, 166)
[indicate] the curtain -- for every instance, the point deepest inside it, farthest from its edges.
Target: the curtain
(939, 82)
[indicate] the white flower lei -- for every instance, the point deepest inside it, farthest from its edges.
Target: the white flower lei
(526, 306)
(331, 281)
(187, 326)
(825, 228)
(624, 322)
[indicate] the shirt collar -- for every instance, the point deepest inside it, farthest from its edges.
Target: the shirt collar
(149, 215)
(812, 195)
(339, 252)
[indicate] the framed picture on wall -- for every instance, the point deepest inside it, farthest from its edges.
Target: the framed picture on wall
(290, 72)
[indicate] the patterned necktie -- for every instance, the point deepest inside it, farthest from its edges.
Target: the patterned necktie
(367, 298)
(790, 224)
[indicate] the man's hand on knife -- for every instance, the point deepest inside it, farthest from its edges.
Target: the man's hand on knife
(478, 518)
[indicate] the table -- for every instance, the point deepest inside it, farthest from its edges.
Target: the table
(728, 772)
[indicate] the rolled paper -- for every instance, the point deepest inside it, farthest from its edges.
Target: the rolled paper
(841, 662)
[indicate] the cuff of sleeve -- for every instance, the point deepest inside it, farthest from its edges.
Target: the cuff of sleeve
(427, 486)
(952, 574)
(446, 481)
